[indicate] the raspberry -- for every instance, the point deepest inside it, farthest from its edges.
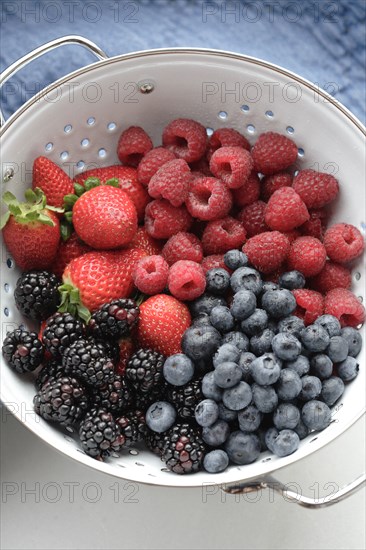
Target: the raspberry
(270, 184)
(316, 224)
(267, 251)
(186, 280)
(162, 220)
(292, 235)
(143, 240)
(151, 274)
(232, 165)
(273, 152)
(171, 182)
(183, 246)
(201, 166)
(151, 162)
(307, 255)
(332, 276)
(133, 144)
(344, 305)
(212, 261)
(247, 193)
(309, 305)
(285, 210)
(186, 138)
(222, 235)
(252, 217)
(226, 137)
(315, 188)
(343, 242)
(208, 199)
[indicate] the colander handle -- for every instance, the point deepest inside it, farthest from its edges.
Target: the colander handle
(293, 496)
(62, 41)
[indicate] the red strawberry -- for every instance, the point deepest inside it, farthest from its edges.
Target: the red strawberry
(143, 240)
(67, 251)
(105, 217)
(126, 349)
(163, 320)
(53, 181)
(31, 231)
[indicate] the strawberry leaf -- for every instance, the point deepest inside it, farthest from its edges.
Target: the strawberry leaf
(30, 195)
(43, 218)
(4, 219)
(56, 209)
(83, 313)
(79, 189)
(71, 302)
(90, 183)
(70, 199)
(113, 182)
(68, 216)
(14, 209)
(65, 230)
(74, 296)
(9, 197)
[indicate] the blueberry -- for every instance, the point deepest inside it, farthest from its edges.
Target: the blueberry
(209, 388)
(292, 280)
(243, 448)
(216, 434)
(226, 352)
(200, 342)
(301, 365)
(321, 366)
(315, 338)
(288, 385)
(227, 375)
(266, 369)
(235, 258)
(255, 323)
(269, 285)
(205, 304)
(279, 303)
(246, 278)
(217, 281)
(262, 343)
(330, 324)
(227, 414)
(178, 369)
(221, 318)
(286, 416)
(348, 369)
(286, 346)
(238, 397)
(245, 360)
(249, 419)
(301, 430)
(332, 389)
(269, 438)
(291, 325)
(200, 320)
(354, 340)
(264, 398)
(273, 325)
(286, 443)
(338, 349)
(316, 415)
(206, 412)
(238, 339)
(216, 461)
(243, 304)
(160, 416)
(311, 388)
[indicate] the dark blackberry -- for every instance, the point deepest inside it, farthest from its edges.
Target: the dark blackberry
(61, 330)
(63, 400)
(99, 434)
(87, 360)
(155, 441)
(132, 427)
(144, 370)
(185, 398)
(144, 400)
(114, 319)
(183, 449)
(52, 369)
(114, 396)
(111, 348)
(36, 294)
(23, 350)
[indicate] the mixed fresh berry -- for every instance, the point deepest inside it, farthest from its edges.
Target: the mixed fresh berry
(193, 298)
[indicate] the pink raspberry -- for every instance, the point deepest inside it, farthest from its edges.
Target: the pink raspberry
(208, 199)
(270, 184)
(171, 182)
(186, 280)
(285, 210)
(183, 246)
(343, 242)
(151, 162)
(151, 274)
(292, 235)
(332, 276)
(309, 305)
(316, 224)
(307, 255)
(267, 251)
(162, 220)
(252, 217)
(226, 137)
(315, 188)
(212, 261)
(232, 165)
(133, 144)
(273, 153)
(222, 235)
(202, 166)
(344, 305)
(186, 138)
(249, 192)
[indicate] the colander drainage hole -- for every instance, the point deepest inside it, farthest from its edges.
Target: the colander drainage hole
(166, 470)
(360, 298)
(90, 121)
(64, 155)
(10, 263)
(6, 287)
(102, 153)
(67, 128)
(6, 312)
(267, 459)
(48, 147)
(250, 129)
(357, 275)
(112, 126)
(245, 108)
(290, 130)
(84, 142)
(314, 439)
(139, 464)
(80, 164)
(134, 452)
(269, 114)
(222, 115)
(209, 131)
(300, 152)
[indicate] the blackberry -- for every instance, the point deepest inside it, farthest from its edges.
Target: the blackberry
(61, 330)
(114, 319)
(99, 434)
(114, 396)
(144, 370)
(154, 441)
(87, 360)
(63, 400)
(52, 369)
(23, 350)
(132, 427)
(36, 294)
(185, 398)
(144, 400)
(183, 449)
(111, 348)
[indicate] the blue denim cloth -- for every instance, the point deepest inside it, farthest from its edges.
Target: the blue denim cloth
(323, 41)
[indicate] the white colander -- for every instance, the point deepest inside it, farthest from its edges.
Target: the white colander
(76, 122)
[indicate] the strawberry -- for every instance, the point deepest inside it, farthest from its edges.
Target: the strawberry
(143, 240)
(163, 320)
(97, 277)
(67, 251)
(127, 180)
(31, 230)
(53, 181)
(126, 349)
